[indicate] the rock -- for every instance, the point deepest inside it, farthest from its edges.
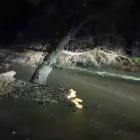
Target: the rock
(41, 103)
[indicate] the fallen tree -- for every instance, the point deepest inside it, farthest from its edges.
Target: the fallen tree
(10, 87)
(38, 90)
(42, 72)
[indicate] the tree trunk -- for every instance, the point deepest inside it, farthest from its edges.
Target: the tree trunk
(41, 74)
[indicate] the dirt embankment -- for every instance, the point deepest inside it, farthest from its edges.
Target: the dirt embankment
(10, 58)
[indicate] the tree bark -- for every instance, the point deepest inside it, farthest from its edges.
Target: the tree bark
(43, 71)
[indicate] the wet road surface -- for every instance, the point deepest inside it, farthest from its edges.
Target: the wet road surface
(113, 111)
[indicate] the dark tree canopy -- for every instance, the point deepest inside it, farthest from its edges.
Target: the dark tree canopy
(60, 15)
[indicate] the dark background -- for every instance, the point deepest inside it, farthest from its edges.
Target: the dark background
(44, 18)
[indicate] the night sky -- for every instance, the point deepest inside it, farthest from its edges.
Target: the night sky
(48, 17)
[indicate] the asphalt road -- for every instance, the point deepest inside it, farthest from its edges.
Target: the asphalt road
(112, 111)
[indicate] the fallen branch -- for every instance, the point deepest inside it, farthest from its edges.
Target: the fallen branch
(10, 87)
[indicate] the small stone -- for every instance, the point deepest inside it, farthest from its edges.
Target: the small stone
(41, 103)
(86, 107)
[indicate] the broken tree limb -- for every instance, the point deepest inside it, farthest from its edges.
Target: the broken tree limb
(10, 87)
